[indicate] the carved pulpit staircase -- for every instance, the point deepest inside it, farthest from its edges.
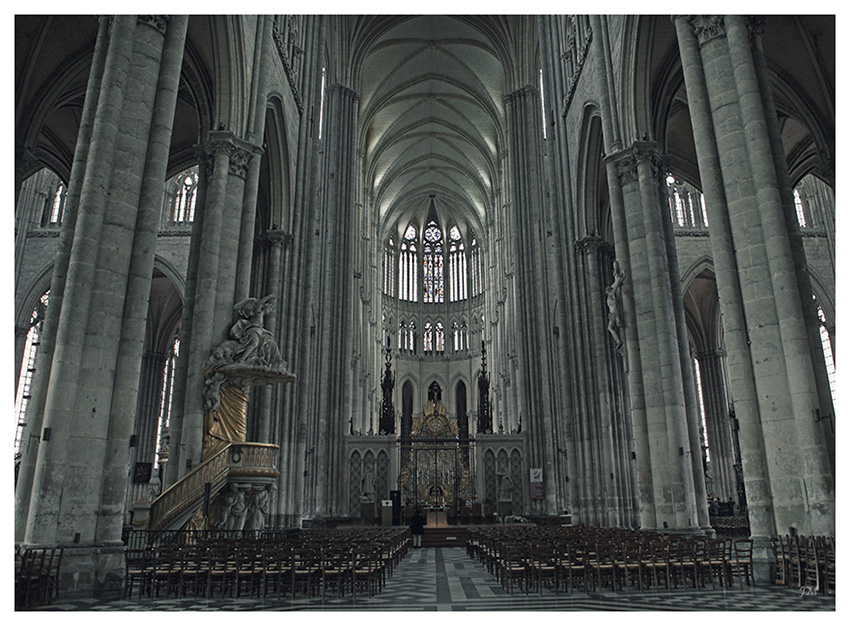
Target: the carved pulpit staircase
(239, 473)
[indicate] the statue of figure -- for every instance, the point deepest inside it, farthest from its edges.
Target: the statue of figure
(256, 344)
(226, 505)
(612, 298)
(238, 510)
(505, 489)
(154, 488)
(250, 357)
(258, 509)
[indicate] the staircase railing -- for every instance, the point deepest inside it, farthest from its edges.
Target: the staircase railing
(252, 462)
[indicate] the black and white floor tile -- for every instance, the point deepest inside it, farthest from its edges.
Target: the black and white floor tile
(446, 579)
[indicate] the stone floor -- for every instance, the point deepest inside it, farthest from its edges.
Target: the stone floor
(446, 579)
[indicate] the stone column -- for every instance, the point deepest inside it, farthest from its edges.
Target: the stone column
(213, 285)
(778, 435)
(664, 390)
(80, 481)
(719, 432)
(336, 298)
(267, 430)
(297, 334)
(531, 314)
(35, 409)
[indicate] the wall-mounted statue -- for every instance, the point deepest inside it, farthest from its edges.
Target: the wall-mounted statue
(612, 298)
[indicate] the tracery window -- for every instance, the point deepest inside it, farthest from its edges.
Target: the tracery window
(687, 204)
(457, 267)
(428, 338)
(432, 263)
(389, 267)
(407, 266)
(181, 192)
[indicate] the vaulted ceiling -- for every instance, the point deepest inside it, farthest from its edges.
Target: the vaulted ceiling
(431, 120)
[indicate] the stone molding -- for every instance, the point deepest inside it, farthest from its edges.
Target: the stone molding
(280, 46)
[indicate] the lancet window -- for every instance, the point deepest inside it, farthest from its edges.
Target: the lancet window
(22, 395)
(389, 267)
(54, 208)
(407, 266)
(476, 283)
(181, 192)
(457, 266)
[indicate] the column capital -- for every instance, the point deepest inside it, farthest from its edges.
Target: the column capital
(628, 159)
(158, 22)
(705, 27)
(522, 92)
(345, 91)
(238, 151)
(279, 237)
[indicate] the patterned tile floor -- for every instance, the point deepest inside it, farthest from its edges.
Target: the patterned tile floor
(446, 579)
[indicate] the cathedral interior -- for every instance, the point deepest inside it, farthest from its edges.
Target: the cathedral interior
(296, 273)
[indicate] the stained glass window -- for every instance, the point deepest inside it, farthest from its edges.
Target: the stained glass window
(432, 263)
(439, 337)
(428, 338)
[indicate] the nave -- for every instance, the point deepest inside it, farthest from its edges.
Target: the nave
(447, 579)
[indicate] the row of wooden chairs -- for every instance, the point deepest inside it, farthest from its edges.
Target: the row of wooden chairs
(317, 563)
(803, 562)
(570, 558)
(36, 576)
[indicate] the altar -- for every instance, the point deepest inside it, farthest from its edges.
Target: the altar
(436, 517)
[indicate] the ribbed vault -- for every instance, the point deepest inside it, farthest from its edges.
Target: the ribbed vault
(431, 119)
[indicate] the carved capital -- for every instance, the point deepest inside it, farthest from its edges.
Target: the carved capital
(238, 152)
(626, 164)
(755, 25)
(707, 27)
(158, 22)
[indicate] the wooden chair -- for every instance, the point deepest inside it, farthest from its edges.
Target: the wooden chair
(657, 562)
(543, 565)
(629, 565)
(812, 569)
(713, 562)
(829, 566)
(513, 566)
(796, 563)
(740, 565)
(336, 569)
(684, 555)
(366, 570)
(780, 560)
(574, 565)
(601, 562)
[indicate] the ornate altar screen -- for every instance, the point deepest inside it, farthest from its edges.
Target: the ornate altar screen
(435, 461)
